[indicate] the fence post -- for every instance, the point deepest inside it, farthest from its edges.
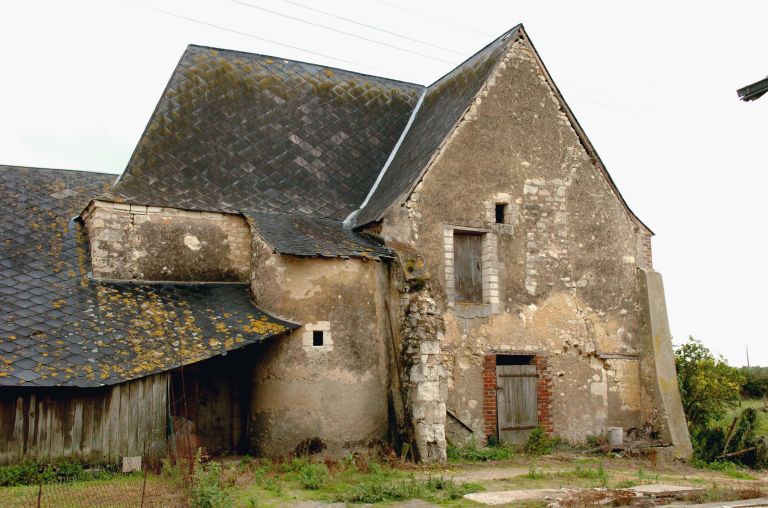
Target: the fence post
(144, 483)
(40, 493)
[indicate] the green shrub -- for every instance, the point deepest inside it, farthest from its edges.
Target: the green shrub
(755, 381)
(26, 473)
(32, 473)
(539, 443)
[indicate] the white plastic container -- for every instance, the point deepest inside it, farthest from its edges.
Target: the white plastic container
(615, 435)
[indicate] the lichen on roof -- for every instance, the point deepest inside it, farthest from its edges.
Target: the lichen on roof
(59, 327)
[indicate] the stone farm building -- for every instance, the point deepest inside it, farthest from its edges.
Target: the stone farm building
(296, 252)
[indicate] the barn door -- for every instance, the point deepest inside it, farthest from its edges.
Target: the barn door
(516, 402)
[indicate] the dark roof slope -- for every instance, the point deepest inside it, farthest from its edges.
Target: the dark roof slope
(754, 91)
(58, 327)
(444, 105)
(236, 131)
(301, 235)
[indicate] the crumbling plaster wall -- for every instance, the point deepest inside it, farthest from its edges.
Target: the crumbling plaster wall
(336, 392)
(566, 259)
(165, 244)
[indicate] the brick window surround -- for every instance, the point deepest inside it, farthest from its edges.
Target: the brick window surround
(543, 388)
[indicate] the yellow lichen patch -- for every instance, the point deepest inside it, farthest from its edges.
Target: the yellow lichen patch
(263, 326)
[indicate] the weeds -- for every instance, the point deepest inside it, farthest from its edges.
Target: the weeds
(644, 477)
(472, 453)
(434, 489)
(206, 490)
(534, 473)
(313, 476)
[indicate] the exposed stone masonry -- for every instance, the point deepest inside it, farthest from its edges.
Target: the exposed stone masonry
(424, 376)
(154, 243)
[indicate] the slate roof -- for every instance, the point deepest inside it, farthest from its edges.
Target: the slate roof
(445, 103)
(302, 235)
(238, 132)
(58, 327)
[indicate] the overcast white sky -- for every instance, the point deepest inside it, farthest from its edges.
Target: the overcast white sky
(654, 86)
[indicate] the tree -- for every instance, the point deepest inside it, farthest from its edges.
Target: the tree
(756, 384)
(708, 385)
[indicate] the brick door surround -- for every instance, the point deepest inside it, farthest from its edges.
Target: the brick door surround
(543, 388)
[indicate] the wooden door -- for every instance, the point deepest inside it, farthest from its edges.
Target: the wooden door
(516, 402)
(467, 266)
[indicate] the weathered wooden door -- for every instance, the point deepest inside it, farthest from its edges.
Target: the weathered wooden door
(516, 402)
(467, 256)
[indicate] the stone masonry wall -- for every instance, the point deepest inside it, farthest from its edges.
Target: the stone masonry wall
(130, 242)
(424, 375)
(561, 269)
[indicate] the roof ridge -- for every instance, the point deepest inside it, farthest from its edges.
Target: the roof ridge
(38, 168)
(304, 62)
(502, 37)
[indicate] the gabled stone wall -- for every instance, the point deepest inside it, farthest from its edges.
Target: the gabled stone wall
(562, 268)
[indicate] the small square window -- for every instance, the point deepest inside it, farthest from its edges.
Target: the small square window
(317, 338)
(501, 213)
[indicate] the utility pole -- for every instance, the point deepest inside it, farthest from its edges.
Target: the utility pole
(747, 355)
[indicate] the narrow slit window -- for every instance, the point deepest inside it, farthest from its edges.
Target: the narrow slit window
(317, 338)
(501, 213)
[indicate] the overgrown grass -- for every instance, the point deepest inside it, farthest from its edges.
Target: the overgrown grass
(729, 469)
(351, 480)
(431, 489)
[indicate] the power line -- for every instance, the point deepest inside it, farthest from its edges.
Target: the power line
(372, 27)
(441, 20)
(245, 34)
(374, 41)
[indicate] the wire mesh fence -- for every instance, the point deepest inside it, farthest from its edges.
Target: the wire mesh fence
(129, 491)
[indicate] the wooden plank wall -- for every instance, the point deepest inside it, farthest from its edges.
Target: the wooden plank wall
(99, 424)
